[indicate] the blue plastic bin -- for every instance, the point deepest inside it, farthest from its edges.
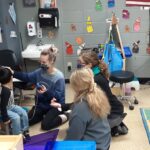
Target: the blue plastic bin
(71, 145)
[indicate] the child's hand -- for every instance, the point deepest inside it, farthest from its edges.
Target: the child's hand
(55, 104)
(7, 122)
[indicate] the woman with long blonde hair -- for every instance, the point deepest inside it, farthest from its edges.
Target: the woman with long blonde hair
(88, 120)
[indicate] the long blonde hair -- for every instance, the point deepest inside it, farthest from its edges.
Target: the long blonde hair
(83, 84)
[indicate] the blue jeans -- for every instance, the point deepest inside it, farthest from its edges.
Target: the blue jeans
(19, 119)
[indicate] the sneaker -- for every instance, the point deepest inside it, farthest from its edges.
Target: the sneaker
(116, 131)
(27, 136)
(119, 130)
(124, 128)
(123, 125)
(67, 113)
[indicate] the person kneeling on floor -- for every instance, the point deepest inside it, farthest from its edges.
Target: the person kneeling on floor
(88, 119)
(89, 58)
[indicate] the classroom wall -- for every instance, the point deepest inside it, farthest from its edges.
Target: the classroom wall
(8, 26)
(76, 12)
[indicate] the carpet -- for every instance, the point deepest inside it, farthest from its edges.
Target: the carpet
(39, 141)
(145, 113)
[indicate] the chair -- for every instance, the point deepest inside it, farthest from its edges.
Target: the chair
(123, 77)
(8, 58)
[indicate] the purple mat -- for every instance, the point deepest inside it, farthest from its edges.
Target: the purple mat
(39, 141)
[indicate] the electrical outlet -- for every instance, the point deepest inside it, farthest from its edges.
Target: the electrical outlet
(69, 66)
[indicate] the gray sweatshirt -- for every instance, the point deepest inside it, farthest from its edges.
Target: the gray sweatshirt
(84, 126)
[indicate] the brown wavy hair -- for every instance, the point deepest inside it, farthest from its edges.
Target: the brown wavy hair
(82, 82)
(89, 56)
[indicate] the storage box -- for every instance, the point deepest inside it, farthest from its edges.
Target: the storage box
(127, 51)
(11, 142)
(68, 145)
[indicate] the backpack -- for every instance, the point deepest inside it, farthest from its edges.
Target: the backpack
(112, 57)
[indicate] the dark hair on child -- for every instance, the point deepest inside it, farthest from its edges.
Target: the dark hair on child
(5, 75)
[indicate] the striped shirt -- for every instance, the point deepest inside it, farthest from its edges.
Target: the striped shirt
(11, 99)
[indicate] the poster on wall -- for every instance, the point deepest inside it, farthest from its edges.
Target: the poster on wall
(12, 12)
(138, 3)
(137, 24)
(89, 26)
(111, 3)
(47, 3)
(125, 14)
(98, 5)
(69, 48)
(29, 3)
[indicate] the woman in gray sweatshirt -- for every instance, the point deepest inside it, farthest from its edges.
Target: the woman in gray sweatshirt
(88, 120)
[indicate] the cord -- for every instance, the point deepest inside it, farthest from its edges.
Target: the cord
(34, 108)
(46, 85)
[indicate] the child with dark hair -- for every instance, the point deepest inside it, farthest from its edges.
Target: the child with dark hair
(10, 112)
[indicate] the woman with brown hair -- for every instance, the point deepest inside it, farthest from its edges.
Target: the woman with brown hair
(88, 119)
(90, 59)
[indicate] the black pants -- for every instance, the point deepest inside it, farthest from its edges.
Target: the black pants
(50, 119)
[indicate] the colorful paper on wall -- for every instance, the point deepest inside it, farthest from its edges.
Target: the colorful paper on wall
(73, 27)
(137, 24)
(51, 34)
(125, 14)
(111, 3)
(69, 48)
(79, 40)
(137, 2)
(98, 5)
(135, 48)
(81, 47)
(89, 27)
(127, 29)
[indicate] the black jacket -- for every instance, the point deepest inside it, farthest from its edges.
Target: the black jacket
(117, 108)
(4, 98)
